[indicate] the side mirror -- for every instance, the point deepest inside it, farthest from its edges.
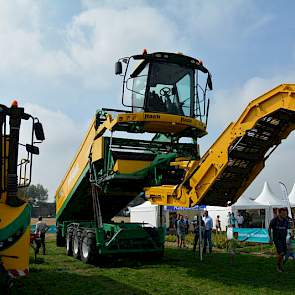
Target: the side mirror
(32, 149)
(39, 132)
(209, 81)
(118, 68)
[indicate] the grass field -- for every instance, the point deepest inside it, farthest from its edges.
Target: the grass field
(179, 272)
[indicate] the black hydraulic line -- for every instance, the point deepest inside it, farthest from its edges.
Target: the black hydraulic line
(96, 205)
(2, 159)
(94, 193)
(207, 112)
(161, 215)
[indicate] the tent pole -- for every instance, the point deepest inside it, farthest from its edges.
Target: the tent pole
(200, 236)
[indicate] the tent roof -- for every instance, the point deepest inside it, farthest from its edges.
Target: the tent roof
(292, 196)
(245, 202)
(146, 206)
(268, 198)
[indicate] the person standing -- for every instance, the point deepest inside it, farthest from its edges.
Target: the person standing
(228, 220)
(290, 248)
(278, 230)
(233, 220)
(208, 223)
(176, 228)
(41, 229)
(218, 224)
(240, 220)
(181, 226)
(232, 245)
(198, 228)
(186, 220)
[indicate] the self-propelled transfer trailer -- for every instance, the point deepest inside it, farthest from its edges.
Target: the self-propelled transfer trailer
(165, 112)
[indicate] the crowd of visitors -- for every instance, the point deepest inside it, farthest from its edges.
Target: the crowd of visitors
(281, 233)
(202, 229)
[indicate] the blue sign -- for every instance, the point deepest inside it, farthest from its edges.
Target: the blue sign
(254, 235)
(51, 229)
(174, 208)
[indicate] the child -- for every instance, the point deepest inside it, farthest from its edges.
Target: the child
(290, 248)
(232, 246)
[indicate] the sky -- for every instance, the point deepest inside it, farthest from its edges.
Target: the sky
(57, 59)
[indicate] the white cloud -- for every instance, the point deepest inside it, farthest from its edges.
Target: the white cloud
(93, 40)
(63, 137)
(99, 36)
(222, 22)
(21, 42)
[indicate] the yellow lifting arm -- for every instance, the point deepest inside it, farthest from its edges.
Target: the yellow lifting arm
(237, 156)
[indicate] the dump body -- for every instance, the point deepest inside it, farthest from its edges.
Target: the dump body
(122, 167)
(118, 163)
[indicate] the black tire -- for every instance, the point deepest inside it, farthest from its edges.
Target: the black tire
(60, 240)
(160, 254)
(69, 241)
(76, 244)
(88, 247)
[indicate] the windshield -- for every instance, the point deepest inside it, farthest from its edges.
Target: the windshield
(170, 89)
(138, 90)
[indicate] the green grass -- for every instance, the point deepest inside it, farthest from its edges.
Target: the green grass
(179, 272)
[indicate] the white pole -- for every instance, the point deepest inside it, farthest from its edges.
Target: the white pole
(200, 235)
(285, 196)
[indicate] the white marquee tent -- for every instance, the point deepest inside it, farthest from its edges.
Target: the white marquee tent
(145, 213)
(149, 214)
(245, 202)
(272, 201)
(266, 200)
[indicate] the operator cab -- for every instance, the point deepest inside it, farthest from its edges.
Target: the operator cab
(165, 83)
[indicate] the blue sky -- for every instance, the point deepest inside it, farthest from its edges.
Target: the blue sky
(57, 59)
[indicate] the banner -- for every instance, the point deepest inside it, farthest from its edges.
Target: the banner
(174, 208)
(254, 235)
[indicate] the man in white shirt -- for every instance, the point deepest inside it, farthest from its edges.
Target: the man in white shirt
(41, 229)
(240, 220)
(208, 222)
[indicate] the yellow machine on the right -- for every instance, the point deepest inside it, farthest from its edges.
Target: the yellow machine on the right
(236, 157)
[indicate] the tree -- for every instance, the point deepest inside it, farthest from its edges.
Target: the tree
(37, 192)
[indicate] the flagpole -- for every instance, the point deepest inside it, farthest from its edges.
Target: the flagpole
(285, 194)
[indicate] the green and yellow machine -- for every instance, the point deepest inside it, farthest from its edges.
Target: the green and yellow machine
(164, 100)
(15, 175)
(165, 96)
